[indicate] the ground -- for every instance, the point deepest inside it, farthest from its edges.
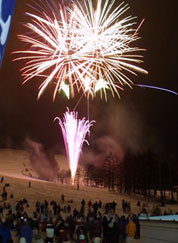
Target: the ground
(11, 166)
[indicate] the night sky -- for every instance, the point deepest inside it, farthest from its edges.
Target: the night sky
(142, 119)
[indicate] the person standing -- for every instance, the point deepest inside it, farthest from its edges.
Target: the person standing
(78, 186)
(29, 184)
(5, 195)
(26, 230)
(130, 231)
(1, 211)
(49, 232)
(62, 198)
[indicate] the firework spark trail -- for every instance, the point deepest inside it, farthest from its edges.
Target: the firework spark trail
(74, 132)
(158, 88)
(81, 48)
(105, 41)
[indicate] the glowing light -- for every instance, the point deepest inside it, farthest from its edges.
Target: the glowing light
(65, 88)
(80, 46)
(74, 132)
(158, 88)
(101, 84)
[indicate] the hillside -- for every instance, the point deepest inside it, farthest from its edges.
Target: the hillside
(11, 166)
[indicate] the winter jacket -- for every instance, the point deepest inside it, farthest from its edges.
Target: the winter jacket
(50, 231)
(26, 232)
(131, 229)
(5, 232)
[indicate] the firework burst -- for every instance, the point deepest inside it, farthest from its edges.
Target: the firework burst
(82, 48)
(74, 132)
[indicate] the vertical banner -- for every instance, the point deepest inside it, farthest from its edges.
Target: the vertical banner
(6, 12)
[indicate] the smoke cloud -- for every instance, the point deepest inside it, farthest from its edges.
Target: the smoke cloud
(44, 163)
(127, 127)
(118, 128)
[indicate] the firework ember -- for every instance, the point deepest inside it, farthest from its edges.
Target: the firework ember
(81, 48)
(74, 132)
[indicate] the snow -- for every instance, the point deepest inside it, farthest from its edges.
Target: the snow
(11, 166)
(162, 218)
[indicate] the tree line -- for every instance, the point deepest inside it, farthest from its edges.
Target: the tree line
(143, 173)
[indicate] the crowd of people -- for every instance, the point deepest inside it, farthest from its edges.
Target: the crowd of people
(94, 222)
(54, 222)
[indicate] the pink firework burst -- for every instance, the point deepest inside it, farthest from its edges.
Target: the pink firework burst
(74, 132)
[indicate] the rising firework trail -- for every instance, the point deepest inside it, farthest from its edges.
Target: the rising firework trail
(81, 48)
(74, 132)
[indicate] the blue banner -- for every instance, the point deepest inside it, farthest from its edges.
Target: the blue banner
(6, 12)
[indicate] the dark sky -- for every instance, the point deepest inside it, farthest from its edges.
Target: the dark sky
(142, 114)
